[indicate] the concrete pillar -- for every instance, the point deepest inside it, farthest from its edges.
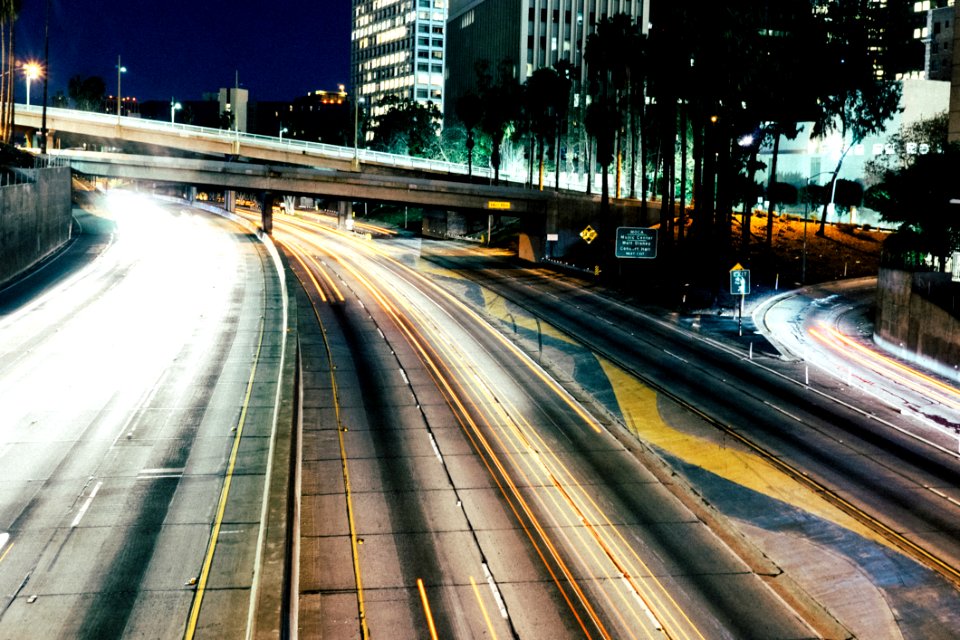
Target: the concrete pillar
(230, 200)
(266, 212)
(345, 215)
(457, 224)
(191, 194)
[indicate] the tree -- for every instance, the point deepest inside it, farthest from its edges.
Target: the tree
(407, 127)
(912, 140)
(607, 53)
(500, 97)
(469, 110)
(919, 197)
(87, 93)
(546, 97)
(9, 10)
(856, 102)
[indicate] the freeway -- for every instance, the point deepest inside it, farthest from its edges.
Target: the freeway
(812, 470)
(451, 488)
(137, 407)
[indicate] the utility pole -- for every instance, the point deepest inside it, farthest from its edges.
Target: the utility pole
(46, 74)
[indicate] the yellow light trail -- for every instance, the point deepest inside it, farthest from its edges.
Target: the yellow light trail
(907, 376)
(662, 598)
(354, 544)
(460, 410)
(426, 609)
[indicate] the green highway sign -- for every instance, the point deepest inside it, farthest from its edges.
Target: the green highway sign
(739, 281)
(636, 242)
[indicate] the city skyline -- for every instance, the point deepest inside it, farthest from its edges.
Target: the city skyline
(183, 50)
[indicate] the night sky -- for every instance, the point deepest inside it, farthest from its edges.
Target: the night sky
(174, 48)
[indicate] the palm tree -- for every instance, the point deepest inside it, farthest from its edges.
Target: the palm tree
(500, 101)
(9, 10)
(469, 109)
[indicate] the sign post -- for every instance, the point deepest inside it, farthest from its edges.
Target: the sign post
(739, 285)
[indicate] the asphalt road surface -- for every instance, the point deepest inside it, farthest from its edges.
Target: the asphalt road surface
(125, 368)
(452, 489)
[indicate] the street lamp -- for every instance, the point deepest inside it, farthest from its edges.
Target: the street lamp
(174, 107)
(283, 130)
(31, 72)
(120, 69)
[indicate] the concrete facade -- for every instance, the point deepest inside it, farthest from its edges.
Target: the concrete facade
(35, 220)
(912, 326)
(529, 33)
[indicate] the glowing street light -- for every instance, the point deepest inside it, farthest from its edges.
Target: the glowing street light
(174, 107)
(31, 71)
(283, 130)
(120, 69)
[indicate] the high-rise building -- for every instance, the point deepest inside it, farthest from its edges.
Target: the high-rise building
(529, 33)
(397, 49)
(939, 41)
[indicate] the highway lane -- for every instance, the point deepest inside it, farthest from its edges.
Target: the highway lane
(851, 450)
(461, 462)
(123, 379)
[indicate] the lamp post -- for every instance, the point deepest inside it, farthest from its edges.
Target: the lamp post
(120, 69)
(31, 72)
(174, 107)
(356, 129)
(283, 130)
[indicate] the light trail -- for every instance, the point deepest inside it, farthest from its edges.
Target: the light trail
(426, 609)
(298, 252)
(911, 378)
(587, 520)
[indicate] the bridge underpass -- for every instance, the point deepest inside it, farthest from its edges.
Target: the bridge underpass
(537, 211)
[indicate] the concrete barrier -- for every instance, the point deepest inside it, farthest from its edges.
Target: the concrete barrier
(35, 219)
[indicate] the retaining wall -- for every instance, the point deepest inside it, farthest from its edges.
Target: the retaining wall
(35, 219)
(913, 326)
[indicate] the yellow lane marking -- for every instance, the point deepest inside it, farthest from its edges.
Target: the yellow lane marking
(638, 404)
(426, 609)
(224, 493)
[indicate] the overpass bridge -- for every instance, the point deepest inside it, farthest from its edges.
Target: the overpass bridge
(228, 143)
(294, 167)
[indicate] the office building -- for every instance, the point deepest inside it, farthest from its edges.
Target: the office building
(397, 49)
(939, 42)
(529, 33)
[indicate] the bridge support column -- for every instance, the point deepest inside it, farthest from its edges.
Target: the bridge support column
(345, 215)
(266, 212)
(230, 200)
(191, 194)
